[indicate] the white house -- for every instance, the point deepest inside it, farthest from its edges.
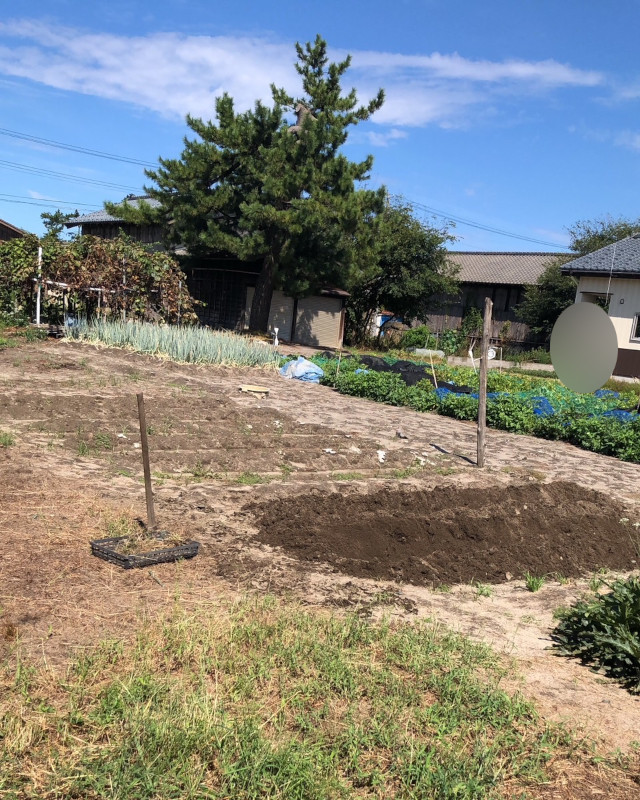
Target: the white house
(612, 274)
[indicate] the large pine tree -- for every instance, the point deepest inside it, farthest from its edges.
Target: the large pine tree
(253, 186)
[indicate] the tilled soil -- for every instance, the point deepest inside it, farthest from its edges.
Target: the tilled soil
(455, 535)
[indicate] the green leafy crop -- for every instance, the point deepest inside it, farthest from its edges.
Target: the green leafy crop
(604, 632)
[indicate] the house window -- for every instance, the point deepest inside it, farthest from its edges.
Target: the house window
(635, 328)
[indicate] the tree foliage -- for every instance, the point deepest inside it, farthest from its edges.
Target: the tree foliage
(257, 188)
(54, 222)
(401, 266)
(547, 299)
(586, 236)
(132, 278)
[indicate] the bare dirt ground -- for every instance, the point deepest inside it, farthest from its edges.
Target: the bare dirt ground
(288, 494)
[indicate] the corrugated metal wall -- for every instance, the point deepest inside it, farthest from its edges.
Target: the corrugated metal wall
(319, 321)
(280, 313)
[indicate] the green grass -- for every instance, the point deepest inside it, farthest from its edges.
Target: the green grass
(6, 439)
(16, 335)
(407, 472)
(199, 471)
(252, 479)
(347, 476)
(99, 443)
(263, 700)
(179, 343)
(533, 582)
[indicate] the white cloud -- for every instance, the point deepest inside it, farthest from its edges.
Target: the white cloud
(383, 139)
(175, 74)
(168, 73)
(628, 139)
(541, 73)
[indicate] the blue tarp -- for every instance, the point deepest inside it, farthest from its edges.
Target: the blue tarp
(542, 406)
(620, 415)
(302, 370)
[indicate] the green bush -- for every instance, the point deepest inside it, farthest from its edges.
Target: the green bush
(383, 387)
(604, 632)
(451, 341)
(538, 355)
(511, 413)
(417, 337)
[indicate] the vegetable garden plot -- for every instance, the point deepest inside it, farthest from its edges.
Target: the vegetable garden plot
(603, 422)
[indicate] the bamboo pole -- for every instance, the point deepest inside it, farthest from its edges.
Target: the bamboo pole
(482, 393)
(151, 514)
(433, 372)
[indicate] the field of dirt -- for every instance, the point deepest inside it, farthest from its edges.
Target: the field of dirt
(304, 493)
(451, 535)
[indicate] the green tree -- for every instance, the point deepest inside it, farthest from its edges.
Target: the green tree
(257, 188)
(589, 235)
(54, 221)
(402, 267)
(547, 299)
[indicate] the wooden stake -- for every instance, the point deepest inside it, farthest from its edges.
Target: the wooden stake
(151, 514)
(433, 372)
(482, 394)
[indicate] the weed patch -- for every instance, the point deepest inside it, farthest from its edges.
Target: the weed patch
(263, 700)
(252, 478)
(347, 476)
(6, 439)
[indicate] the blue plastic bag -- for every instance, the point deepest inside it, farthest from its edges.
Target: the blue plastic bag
(302, 370)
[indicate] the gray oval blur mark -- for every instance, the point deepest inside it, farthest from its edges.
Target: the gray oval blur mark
(584, 347)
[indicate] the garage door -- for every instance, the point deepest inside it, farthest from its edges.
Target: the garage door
(318, 321)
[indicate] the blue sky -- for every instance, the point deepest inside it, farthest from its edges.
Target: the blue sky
(515, 115)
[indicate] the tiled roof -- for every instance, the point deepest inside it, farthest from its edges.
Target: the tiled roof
(621, 258)
(500, 268)
(102, 216)
(11, 227)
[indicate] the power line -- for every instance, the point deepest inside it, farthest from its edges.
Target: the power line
(488, 228)
(74, 148)
(23, 200)
(127, 160)
(64, 176)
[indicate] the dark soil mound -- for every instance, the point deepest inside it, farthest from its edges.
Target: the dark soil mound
(453, 535)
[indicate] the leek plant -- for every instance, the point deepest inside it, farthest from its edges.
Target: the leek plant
(188, 344)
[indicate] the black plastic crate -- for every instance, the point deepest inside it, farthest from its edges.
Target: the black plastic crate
(107, 549)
